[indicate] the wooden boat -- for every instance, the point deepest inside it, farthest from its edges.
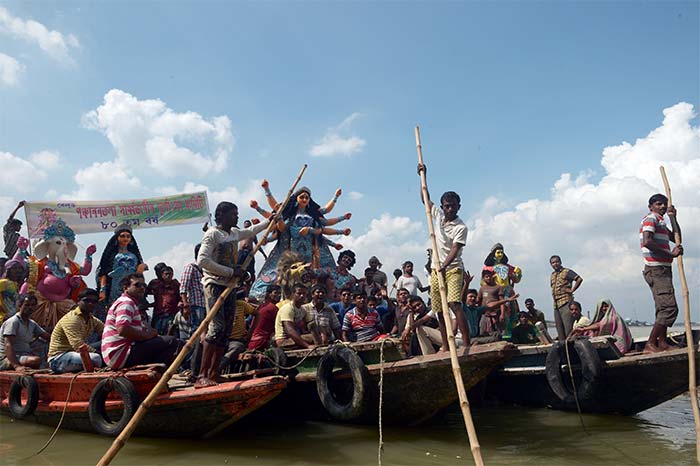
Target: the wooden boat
(619, 385)
(414, 388)
(99, 402)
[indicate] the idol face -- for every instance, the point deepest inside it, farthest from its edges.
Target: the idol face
(124, 239)
(498, 255)
(303, 199)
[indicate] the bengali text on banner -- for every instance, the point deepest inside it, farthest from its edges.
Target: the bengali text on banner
(96, 216)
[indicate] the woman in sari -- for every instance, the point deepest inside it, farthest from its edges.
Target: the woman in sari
(608, 322)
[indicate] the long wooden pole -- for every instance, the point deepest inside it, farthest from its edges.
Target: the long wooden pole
(456, 371)
(692, 385)
(123, 437)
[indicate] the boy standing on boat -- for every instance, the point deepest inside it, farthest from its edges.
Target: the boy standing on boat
(451, 237)
(654, 238)
(564, 283)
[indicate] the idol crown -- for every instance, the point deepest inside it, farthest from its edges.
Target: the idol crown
(59, 228)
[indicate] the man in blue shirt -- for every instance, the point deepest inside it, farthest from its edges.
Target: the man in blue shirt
(344, 305)
(474, 312)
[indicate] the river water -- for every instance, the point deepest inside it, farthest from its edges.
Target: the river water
(663, 435)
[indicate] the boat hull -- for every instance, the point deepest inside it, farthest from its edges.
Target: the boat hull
(178, 412)
(626, 385)
(413, 389)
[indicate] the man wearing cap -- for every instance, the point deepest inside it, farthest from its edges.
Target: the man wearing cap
(10, 232)
(378, 276)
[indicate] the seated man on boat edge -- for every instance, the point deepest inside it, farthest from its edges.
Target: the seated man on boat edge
(475, 313)
(525, 333)
(292, 321)
(361, 324)
(262, 329)
(608, 322)
(126, 340)
(578, 319)
(69, 337)
(239, 336)
(424, 325)
(323, 322)
(18, 334)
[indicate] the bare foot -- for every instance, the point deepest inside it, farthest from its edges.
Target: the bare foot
(203, 382)
(649, 348)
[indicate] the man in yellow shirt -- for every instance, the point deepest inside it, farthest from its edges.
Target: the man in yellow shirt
(238, 338)
(292, 320)
(71, 332)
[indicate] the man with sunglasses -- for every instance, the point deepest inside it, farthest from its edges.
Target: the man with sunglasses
(69, 336)
(126, 340)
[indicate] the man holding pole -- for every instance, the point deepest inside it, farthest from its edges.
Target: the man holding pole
(654, 237)
(451, 236)
(218, 258)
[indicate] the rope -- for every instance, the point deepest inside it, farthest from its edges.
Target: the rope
(65, 407)
(301, 361)
(578, 406)
(573, 384)
(380, 449)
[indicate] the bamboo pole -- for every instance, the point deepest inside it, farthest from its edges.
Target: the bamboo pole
(692, 354)
(123, 437)
(456, 371)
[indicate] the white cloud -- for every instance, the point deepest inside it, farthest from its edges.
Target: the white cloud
(334, 143)
(16, 170)
(46, 159)
(176, 257)
(354, 195)
(57, 45)
(104, 180)
(10, 70)
(594, 225)
(150, 137)
(392, 239)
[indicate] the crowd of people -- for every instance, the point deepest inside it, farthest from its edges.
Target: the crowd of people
(125, 322)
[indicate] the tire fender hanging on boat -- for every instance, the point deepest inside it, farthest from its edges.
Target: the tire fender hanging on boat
(17, 409)
(355, 405)
(97, 409)
(590, 371)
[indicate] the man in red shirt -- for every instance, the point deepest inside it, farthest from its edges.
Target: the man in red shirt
(263, 327)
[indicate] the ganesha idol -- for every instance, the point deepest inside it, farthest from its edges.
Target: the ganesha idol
(53, 276)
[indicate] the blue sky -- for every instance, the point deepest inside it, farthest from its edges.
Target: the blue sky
(510, 96)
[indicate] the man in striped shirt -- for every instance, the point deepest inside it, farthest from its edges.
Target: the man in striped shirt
(126, 340)
(654, 237)
(361, 324)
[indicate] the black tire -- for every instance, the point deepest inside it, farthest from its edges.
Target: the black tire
(17, 409)
(353, 406)
(590, 371)
(99, 419)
